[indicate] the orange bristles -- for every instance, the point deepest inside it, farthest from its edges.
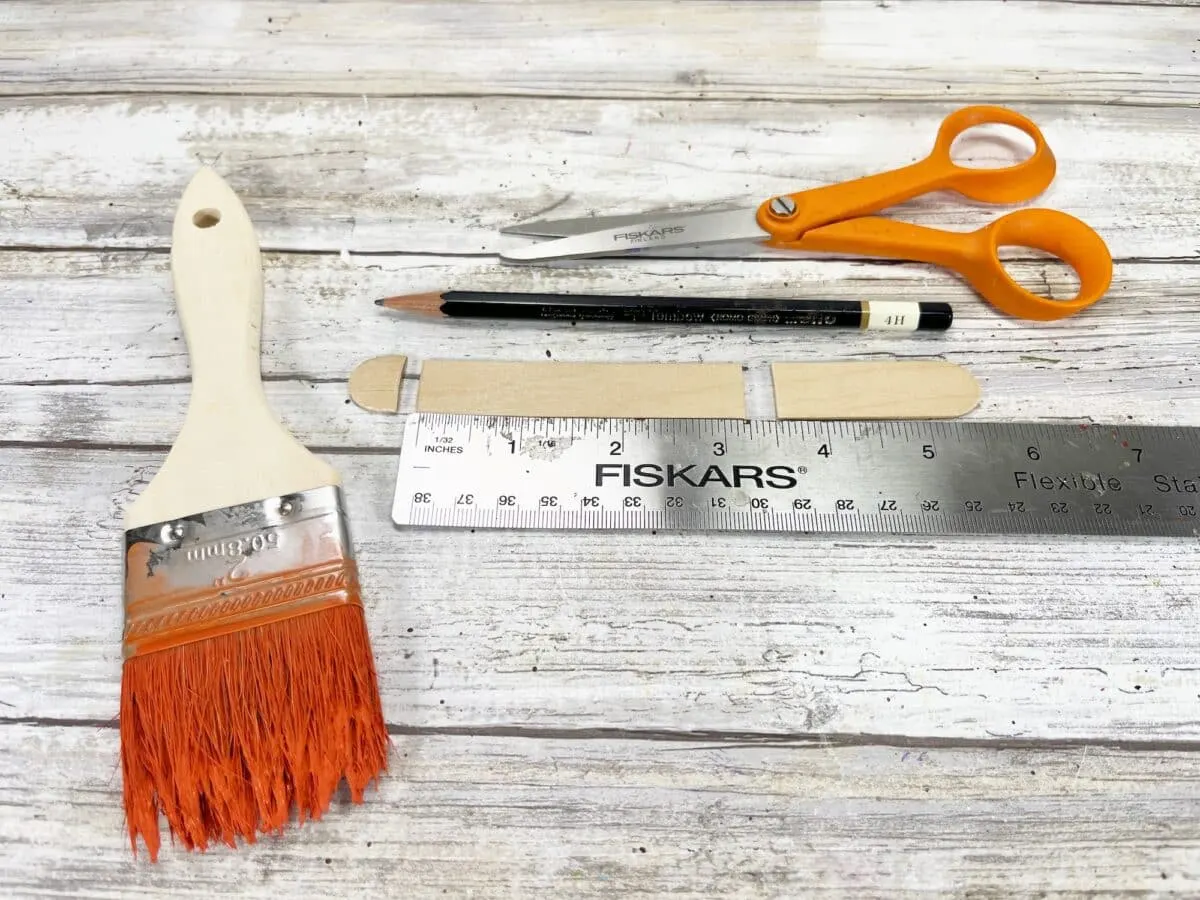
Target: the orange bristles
(226, 737)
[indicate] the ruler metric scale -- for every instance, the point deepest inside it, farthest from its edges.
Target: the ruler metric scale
(892, 477)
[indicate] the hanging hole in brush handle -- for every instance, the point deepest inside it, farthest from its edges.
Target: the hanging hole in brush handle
(231, 448)
(206, 218)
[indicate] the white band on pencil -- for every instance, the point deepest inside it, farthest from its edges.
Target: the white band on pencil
(891, 315)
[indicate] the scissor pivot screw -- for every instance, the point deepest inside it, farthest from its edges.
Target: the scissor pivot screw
(783, 206)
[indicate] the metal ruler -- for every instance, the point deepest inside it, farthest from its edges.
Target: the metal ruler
(899, 477)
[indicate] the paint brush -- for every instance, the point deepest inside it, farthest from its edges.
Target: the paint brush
(248, 686)
(872, 315)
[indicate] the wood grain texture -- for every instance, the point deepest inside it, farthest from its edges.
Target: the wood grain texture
(909, 389)
(844, 51)
(231, 449)
(518, 818)
(375, 384)
(930, 638)
(320, 322)
(418, 175)
(766, 716)
(589, 389)
(837, 390)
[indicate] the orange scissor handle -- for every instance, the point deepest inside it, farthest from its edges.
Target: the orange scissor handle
(937, 171)
(976, 254)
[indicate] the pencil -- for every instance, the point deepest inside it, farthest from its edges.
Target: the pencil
(865, 315)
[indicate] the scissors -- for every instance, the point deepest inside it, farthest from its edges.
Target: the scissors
(837, 218)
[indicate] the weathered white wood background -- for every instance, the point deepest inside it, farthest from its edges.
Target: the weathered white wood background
(672, 714)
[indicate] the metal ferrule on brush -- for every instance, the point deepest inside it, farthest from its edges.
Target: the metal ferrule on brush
(235, 568)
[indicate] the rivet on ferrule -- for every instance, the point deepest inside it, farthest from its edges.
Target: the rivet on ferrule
(172, 534)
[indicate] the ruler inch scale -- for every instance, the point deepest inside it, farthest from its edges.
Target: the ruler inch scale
(919, 477)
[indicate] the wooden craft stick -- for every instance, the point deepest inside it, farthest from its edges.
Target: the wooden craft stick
(907, 389)
(916, 389)
(375, 383)
(626, 390)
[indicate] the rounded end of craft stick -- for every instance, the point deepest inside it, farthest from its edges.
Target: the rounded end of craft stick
(375, 384)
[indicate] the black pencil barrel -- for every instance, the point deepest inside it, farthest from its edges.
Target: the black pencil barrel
(887, 315)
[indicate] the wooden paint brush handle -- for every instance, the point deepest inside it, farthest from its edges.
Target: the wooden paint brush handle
(231, 448)
(216, 268)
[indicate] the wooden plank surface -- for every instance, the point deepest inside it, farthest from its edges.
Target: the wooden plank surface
(844, 51)
(933, 639)
(391, 176)
(497, 816)
(766, 716)
(320, 322)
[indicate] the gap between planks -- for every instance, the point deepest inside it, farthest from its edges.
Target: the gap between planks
(368, 196)
(905, 100)
(718, 737)
(484, 817)
(285, 252)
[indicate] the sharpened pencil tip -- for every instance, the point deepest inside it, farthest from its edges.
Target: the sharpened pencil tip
(394, 302)
(424, 304)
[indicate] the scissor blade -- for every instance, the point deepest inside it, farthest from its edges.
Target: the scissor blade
(667, 231)
(583, 224)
